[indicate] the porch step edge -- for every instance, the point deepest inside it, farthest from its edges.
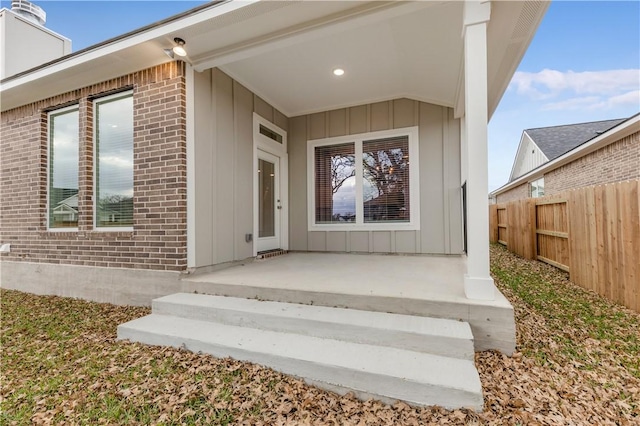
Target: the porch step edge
(385, 373)
(429, 335)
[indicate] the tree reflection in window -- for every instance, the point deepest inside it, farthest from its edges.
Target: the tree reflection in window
(385, 165)
(335, 183)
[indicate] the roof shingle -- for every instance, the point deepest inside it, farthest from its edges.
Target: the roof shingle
(557, 140)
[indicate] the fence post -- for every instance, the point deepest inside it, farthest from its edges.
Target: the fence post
(531, 236)
(493, 223)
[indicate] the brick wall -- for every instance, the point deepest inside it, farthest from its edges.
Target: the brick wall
(517, 193)
(158, 239)
(616, 162)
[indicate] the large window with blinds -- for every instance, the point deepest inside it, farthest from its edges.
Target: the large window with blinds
(63, 168)
(364, 181)
(113, 127)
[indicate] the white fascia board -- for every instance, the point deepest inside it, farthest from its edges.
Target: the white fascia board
(133, 40)
(623, 130)
(459, 106)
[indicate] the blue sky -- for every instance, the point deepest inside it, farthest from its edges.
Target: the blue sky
(583, 64)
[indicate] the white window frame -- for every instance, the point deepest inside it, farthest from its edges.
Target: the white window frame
(49, 141)
(414, 180)
(537, 182)
(96, 101)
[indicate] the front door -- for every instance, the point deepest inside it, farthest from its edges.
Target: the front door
(269, 202)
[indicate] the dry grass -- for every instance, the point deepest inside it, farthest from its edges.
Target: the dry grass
(577, 363)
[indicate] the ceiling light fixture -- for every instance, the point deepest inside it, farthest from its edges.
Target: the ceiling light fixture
(338, 71)
(179, 49)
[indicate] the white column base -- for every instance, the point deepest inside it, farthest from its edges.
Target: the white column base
(479, 288)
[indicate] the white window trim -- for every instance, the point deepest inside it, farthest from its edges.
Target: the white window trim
(49, 114)
(95, 168)
(357, 139)
(265, 141)
(530, 184)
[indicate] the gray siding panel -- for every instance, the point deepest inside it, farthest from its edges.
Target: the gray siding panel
(380, 116)
(204, 148)
(358, 120)
(262, 108)
(439, 162)
(298, 184)
(431, 179)
(404, 113)
(280, 120)
(243, 210)
(381, 241)
(337, 123)
(359, 241)
(224, 168)
(317, 126)
(405, 241)
(336, 241)
(224, 164)
(317, 241)
(454, 187)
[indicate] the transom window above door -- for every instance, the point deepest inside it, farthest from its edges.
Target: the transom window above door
(364, 182)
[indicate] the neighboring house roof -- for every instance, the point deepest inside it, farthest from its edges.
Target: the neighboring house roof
(70, 201)
(556, 140)
(64, 209)
(622, 129)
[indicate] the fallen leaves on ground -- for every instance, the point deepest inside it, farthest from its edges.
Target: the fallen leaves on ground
(577, 362)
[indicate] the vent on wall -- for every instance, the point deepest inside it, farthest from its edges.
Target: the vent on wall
(29, 11)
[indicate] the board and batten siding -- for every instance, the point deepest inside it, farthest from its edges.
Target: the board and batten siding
(440, 187)
(530, 158)
(224, 166)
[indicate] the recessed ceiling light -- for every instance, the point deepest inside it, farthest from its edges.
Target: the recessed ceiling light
(338, 72)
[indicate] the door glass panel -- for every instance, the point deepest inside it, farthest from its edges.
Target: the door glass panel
(266, 194)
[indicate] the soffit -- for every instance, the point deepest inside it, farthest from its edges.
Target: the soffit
(412, 51)
(285, 51)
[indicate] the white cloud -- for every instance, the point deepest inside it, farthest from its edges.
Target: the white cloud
(587, 90)
(632, 97)
(587, 102)
(548, 84)
(596, 102)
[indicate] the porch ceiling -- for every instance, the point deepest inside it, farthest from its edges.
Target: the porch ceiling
(401, 50)
(285, 52)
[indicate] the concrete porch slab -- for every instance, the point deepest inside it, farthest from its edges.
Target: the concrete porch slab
(430, 286)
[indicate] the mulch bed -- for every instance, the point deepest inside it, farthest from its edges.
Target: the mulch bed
(577, 362)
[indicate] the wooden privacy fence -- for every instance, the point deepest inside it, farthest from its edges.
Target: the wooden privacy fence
(593, 233)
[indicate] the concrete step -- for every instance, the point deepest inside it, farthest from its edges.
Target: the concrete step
(429, 335)
(380, 372)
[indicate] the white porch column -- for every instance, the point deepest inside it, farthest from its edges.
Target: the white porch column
(478, 283)
(191, 169)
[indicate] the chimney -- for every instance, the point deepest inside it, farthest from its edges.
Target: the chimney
(30, 11)
(24, 41)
